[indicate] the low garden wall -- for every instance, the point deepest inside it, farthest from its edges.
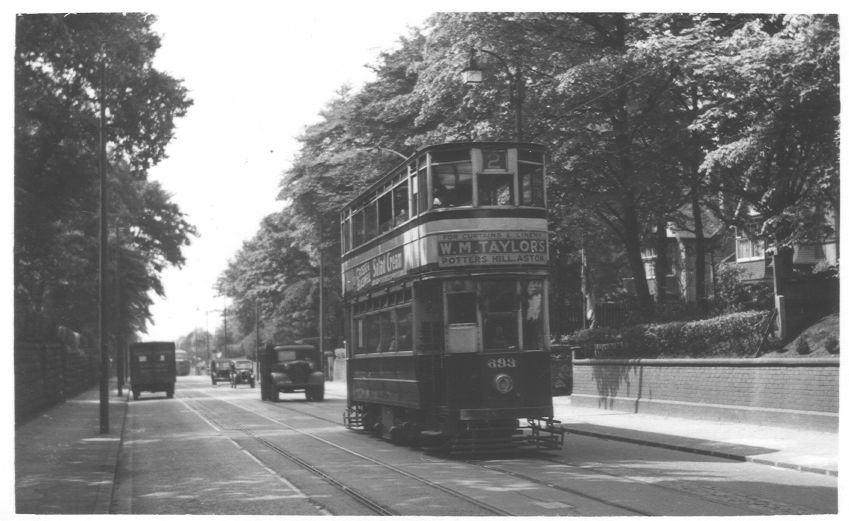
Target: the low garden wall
(46, 374)
(788, 392)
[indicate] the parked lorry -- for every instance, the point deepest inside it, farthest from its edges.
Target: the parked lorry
(153, 368)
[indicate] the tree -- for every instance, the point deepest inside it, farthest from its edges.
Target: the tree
(776, 138)
(58, 64)
(628, 104)
(271, 275)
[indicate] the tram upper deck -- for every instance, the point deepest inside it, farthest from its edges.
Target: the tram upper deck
(451, 207)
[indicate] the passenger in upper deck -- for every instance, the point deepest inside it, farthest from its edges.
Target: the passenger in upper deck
(401, 217)
(437, 200)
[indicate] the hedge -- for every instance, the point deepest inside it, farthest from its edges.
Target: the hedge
(733, 335)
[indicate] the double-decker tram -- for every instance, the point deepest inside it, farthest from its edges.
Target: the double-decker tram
(184, 365)
(445, 284)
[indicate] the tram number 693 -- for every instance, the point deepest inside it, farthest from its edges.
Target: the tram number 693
(501, 362)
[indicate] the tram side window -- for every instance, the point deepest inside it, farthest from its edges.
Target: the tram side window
(530, 185)
(414, 200)
(346, 234)
(431, 334)
(399, 194)
(498, 303)
(370, 220)
(387, 332)
(384, 212)
(533, 329)
(422, 181)
(371, 333)
(359, 337)
(404, 328)
(359, 228)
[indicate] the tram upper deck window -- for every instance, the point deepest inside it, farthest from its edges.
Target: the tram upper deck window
(370, 221)
(346, 234)
(384, 212)
(359, 230)
(452, 185)
(400, 201)
(495, 189)
(414, 196)
(531, 178)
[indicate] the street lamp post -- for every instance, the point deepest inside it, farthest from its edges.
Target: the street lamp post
(224, 315)
(102, 315)
(473, 74)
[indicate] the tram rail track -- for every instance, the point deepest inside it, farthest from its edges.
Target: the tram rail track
(360, 497)
(703, 492)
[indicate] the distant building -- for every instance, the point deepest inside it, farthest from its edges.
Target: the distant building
(751, 254)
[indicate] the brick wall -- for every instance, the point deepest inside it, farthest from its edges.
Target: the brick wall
(46, 374)
(788, 392)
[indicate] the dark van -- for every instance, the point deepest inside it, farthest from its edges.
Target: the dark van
(153, 368)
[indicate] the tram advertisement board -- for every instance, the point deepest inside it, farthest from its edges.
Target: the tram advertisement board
(492, 248)
(380, 268)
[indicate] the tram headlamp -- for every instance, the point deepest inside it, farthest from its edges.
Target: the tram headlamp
(503, 383)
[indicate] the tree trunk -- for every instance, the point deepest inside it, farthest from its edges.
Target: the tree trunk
(701, 296)
(633, 249)
(661, 262)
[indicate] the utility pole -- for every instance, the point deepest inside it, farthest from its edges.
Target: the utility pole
(119, 337)
(256, 329)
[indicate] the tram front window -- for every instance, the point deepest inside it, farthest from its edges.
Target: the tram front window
(452, 185)
(461, 302)
(533, 331)
(495, 189)
(498, 312)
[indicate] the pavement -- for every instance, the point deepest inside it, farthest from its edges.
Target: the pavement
(65, 465)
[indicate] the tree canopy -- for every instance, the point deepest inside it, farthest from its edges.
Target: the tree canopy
(59, 63)
(649, 118)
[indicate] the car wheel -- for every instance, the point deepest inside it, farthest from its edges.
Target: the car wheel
(318, 394)
(275, 395)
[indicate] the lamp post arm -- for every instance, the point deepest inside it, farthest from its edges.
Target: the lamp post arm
(502, 60)
(399, 154)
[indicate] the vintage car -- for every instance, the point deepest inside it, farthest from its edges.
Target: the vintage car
(289, 369)
(242, 372)
(220, 370)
